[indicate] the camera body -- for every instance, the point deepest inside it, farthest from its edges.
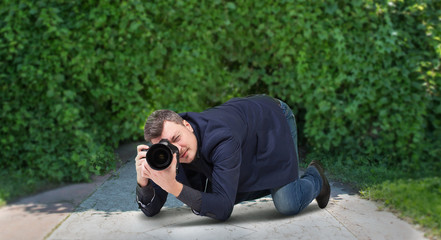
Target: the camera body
(160, 155)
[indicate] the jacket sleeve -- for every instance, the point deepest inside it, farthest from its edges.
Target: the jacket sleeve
(150, 198)
(226, 158)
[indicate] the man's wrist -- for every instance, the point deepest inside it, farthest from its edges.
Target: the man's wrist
(176, 188)
(143, 182)
(145, 195)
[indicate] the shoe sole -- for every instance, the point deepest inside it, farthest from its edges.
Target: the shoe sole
(323, 200)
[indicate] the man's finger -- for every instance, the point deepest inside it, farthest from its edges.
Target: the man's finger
(140, 155)
(174, 162)
(141, 147)
(145, 169)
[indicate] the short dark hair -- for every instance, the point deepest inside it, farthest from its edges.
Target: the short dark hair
(155, 123)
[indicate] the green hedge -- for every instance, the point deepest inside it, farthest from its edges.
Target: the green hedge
(78, 77)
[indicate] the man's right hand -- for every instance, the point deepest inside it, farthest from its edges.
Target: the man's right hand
(142, 171)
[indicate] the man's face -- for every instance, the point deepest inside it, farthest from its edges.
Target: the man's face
(182, 137)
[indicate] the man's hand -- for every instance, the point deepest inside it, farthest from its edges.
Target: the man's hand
(166, 178)
(141, 166)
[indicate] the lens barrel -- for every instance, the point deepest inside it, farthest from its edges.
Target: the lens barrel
(160, 156)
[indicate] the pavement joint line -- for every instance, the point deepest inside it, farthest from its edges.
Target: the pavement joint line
(343, 224)
(74, 210)
(57, 226)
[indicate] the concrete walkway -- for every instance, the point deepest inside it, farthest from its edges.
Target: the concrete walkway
(111, 213)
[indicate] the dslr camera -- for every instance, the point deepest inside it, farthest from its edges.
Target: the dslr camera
(160, 155)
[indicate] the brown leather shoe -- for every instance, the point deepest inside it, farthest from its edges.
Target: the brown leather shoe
(323, 197)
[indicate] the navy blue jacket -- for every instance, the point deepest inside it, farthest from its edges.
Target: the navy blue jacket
(244, 145)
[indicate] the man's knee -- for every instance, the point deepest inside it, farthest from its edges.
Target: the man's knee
(287, 208)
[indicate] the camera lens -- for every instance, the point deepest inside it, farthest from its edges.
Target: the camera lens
(159, 157)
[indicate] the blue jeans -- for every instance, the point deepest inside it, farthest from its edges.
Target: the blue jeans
(297, 195)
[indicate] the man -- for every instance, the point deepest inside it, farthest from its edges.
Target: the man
(241, 150)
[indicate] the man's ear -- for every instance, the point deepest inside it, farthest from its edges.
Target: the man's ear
(187, 125)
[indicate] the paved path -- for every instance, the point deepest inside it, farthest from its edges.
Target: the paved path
(111, 213)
